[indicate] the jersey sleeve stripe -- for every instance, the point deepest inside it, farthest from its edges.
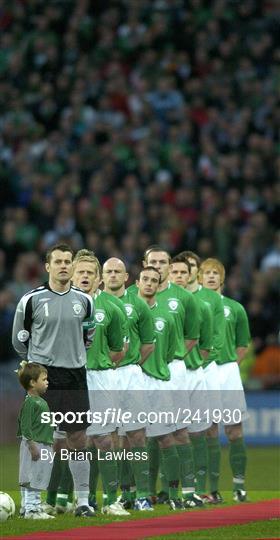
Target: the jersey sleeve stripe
(28, 315)
(30, 294)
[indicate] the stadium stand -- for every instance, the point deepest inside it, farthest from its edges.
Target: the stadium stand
(127, 123)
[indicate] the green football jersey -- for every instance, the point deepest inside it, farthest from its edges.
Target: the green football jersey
(156, 364)
(109, 335)
(30, 423)
(120, 305)
(140, 326)
(213, 300)
(179, 303)
(194, 359)
(237, 330)
(133, 289)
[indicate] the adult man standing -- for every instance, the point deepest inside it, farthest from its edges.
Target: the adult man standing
(130, 378)
(199, 403)
(181, 306)
(48, 329)
(156, 377)
(237, 338)
(213, 301)
(106, 351)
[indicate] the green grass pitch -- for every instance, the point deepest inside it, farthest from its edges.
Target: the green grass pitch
(262, 483)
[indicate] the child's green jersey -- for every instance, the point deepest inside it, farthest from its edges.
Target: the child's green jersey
(156, 364)
(109, 333)
(30, 425)
(237, 332)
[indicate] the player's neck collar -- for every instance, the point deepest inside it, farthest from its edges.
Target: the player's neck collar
(57, 292)
(168, 285)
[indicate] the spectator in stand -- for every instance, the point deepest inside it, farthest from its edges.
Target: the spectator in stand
(169, 104)
(267, 366)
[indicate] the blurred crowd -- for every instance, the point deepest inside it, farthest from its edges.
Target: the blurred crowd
(132, 122)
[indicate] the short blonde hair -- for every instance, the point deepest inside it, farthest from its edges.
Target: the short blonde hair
(210, 264)
(85, 255)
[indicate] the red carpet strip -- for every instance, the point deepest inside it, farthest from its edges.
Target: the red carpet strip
(175, 523)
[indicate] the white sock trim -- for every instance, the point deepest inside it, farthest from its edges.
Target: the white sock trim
(238, 480)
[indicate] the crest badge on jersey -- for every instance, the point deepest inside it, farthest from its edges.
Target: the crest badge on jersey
(99, 316)
(226, 311)
(23, 336)
(160, 325)
(173, 304)
(128, 309)
(77, 308)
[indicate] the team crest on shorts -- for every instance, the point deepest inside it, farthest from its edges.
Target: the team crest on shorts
(77, 308)
(173, 304)
(159, 324)
(226, 311)
(128, 309)
(99, 316)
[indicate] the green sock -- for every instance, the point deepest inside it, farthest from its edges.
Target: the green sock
(164, 484)
(125, 473)
(51, 497)
(214, 462)
(132, 485)
(94, 473)
(140, 468)
(171, 464)
(65, 486)
(238, 459)
(133, 493)
(154, 456)
(200, 462)
(109, 474)
(185, 453)
(54, 480)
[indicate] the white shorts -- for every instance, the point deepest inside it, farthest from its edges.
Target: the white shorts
(131, 387)
(212, 381)
(103, 395)
(232, 394)
(181, 402)
(59, 435)
(199, 402)
(159, 398)
(34, 474)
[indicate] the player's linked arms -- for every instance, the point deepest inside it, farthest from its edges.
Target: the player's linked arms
(89, 328)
